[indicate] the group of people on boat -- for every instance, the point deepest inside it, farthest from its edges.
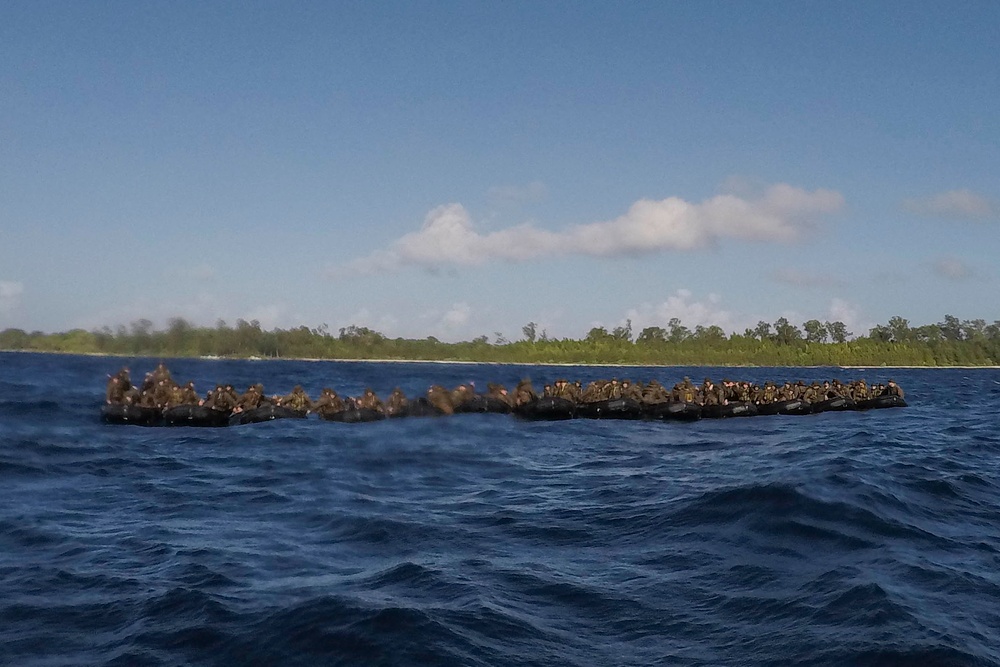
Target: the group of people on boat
(709, 392)
(160, 391)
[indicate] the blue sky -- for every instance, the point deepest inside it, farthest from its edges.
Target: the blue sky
(458, 169)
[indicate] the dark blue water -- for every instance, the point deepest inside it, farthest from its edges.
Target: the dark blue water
(835, 539)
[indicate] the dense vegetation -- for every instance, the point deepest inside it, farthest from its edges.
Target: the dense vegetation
(948, 343)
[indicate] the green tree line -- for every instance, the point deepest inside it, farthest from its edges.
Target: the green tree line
(951, 342)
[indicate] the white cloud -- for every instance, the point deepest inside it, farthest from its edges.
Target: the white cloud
(449, 325)
(961, 204)
(457, 316)
(848, 313)
(10, 295)
(682, 305)
(952, 268)
(448, 236)
(384, 324)
(710, 311)
(269, 315)
(839, 310)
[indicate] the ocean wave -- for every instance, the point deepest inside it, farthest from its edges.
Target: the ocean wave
(866, 539)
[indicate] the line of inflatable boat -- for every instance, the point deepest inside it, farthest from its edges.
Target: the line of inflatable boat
(547, 409)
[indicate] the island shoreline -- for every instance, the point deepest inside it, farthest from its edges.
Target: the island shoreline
(492, 363)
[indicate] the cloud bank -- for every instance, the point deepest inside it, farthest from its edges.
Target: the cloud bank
(449, 238)
(709, 311)
(682, 305)
(957, 204)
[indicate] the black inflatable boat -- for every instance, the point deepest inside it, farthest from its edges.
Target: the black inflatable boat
(881, 402)
(617, 408)
(194, 415)
(353, 416)
(734, 409)
(136, 415)
(483, 403)
(264, 413)
(547, 408)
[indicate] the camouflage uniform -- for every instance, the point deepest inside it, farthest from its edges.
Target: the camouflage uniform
(440, 398)
(178, 395)
(369, 401)
(148, 383)
(328, 403)
(224, 399)
(297, 400)
(397, 403)
(654, 392)
(631, 391)
(712, 394)
(861, 391)
(613, 390)
(251, 399)
(893, 389)
(592, 394)
(685, 392)
(461, 394)
(524, 393)
(499, 392)
(812, 394)
(115, 391)
(161, 373)
(729, 390)
(147, 400)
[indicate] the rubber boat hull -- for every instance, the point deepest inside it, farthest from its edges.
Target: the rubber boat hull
(734, 409)
(616, 408)
(547, 408)
(790, 407)
(421, 407)
(835, 404)
(483, 403)
(881, 402)
(676, 411)
(136, 415)
(195, 415)
(353, 416)
(264, 413)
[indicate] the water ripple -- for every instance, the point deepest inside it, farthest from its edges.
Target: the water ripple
(861, 539)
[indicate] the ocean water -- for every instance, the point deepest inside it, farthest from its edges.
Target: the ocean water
(834, 539)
